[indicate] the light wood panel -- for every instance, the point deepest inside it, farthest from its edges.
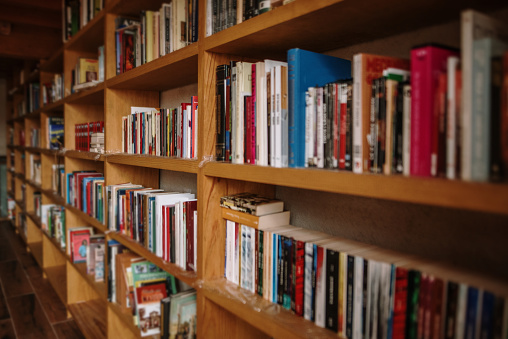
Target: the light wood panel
(121, 324)
(140, 160)
(53, 256)
(118, 174)
(89, 96)
(33, 232)
(78, 289)
(85, 155)
(90, 316)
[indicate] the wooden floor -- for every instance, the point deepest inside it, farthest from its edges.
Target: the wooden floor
(29, 307)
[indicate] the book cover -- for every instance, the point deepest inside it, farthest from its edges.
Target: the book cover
(453, 117)
(182, 323)
(427, 62)
(307, 69)
(80, 242)
(366, 68)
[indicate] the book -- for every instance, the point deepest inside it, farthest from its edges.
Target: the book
(256, 222)
(307, 69)
(427, 62)
(252, 203)
(366, 67)
(473, 26)
(182, 322)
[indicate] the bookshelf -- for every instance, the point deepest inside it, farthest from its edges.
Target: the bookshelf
(373, 205)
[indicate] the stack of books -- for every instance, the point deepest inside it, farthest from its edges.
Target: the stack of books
(97, 142)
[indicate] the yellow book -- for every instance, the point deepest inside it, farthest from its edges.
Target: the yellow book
(88, 70)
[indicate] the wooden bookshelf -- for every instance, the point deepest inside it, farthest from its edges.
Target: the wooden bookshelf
(225, 310)
(90, 316)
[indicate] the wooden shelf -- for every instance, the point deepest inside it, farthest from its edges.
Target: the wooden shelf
(20, 204)
(57, 199)
(34, 184)
(55, 243)
(32, 77)
(176, 69)
(268, 317)
(90, 37)
(150, 161)
(330, 24)
(55, 63)
(36, 249)
(482, 197)
(100, 287)
(132, 7)
(90, 316)
(89, 96)
(35, 219)
(57, 276)
(56, 106)
(88, 219)
(126, 319)
(85, 155)
(187, 277)
(33, 115)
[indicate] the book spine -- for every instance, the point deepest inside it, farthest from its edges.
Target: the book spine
(406, 130)
(295, 114)
(299, 277)
(349, 127)
(452, 118)
(307, 298)
(320, 314)
(358, 137)
(381, 125)
(343, 126)
(496, 83)
(332, 277)
(373, 127)
(220, 145)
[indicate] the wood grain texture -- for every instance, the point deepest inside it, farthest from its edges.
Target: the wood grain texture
(14, 279)
(165, 163)
(50, 302)
(90, 317)
(7, 329)
(68, 329)
(29, 318)
(57, 277)
(53, 256)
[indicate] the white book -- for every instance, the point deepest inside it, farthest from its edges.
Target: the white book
(228, 267)
(451, 118)
(277, 73)
(373, 299)
(267, 269)
(253, 259)
(244, 73)
(460, 320)
(244, 257)
(272, 116)
(357, 115)
(261, 116)
(307, 293)
(320, 306)
(236, 254)
(358, 298)
(474, 26)
(384, 300)
(267, 133)
(310, 126)
(406, 130)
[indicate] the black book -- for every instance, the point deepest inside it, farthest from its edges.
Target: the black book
(381, 124)
(220, 97)
(280, 270)
(350, 295)
(365, 297)
(332, 290)
(413, 293)
(328, 126)
(165, 314)
(260, 262)
(452, 296)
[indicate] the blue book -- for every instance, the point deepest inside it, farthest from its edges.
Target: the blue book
(275, 260)
(473, 295)
(84, 192)
(307, 69)
(70, 180)
(487, 316)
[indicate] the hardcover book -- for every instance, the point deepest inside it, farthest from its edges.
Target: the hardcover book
(307, 69)
(252, 203)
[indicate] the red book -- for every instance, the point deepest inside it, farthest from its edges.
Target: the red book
(422, 302)
(436, 308)
(167, 229)
(427, 63)
(400, 304)
(253, 121)
(299, 276)
(192, 206)
(248, 130)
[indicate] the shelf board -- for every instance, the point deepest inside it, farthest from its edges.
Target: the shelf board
(57, 276)
(34, 184)
(89, 96)
(268, 317)
(176, 69)
(85, 155)
(20, 204)
(86, 39)
(33, 115)
(126, 319)
(32, 77)
(46, 151)
(91, 317)
(100, 287)
(91, 221)
(326, 25)
(482, 197)
(19, 148)
(55, 63)
(36, 249)
(132, 7)
(58, 199)
(165, 163)
(56, 106)
(35, 219)
(186, 276)
(55, 243)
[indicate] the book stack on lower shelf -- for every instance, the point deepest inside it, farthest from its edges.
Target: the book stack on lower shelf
(341, 284)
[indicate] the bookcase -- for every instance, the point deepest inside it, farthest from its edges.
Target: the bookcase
(455, 229)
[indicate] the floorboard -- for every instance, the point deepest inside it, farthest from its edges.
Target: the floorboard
(50, 302)
(68, 329)
(29, 318)
(14, 279)
(7, 330)
(6, 251)
(4, 310)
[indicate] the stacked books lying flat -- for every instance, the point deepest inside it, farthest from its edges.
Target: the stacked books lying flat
(83, 136)
(165, 223)
(97, 142)
(161, 131)
(354, 289)
(439, 113)
(150, 295)
(53, 222)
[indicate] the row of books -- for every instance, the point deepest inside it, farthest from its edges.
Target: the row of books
(35, 170)
(155, 34)
(76, 14)
(87, 247)
(151, 295)
(165, 223)
(86, 73)
(374, 122)
(356, 290)
(35, 135)
(37, 198)
(54, 90)
(58, 179)
(33, 95)
(222, 14)
(53, 222)
(162, 132)
(83, 135)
